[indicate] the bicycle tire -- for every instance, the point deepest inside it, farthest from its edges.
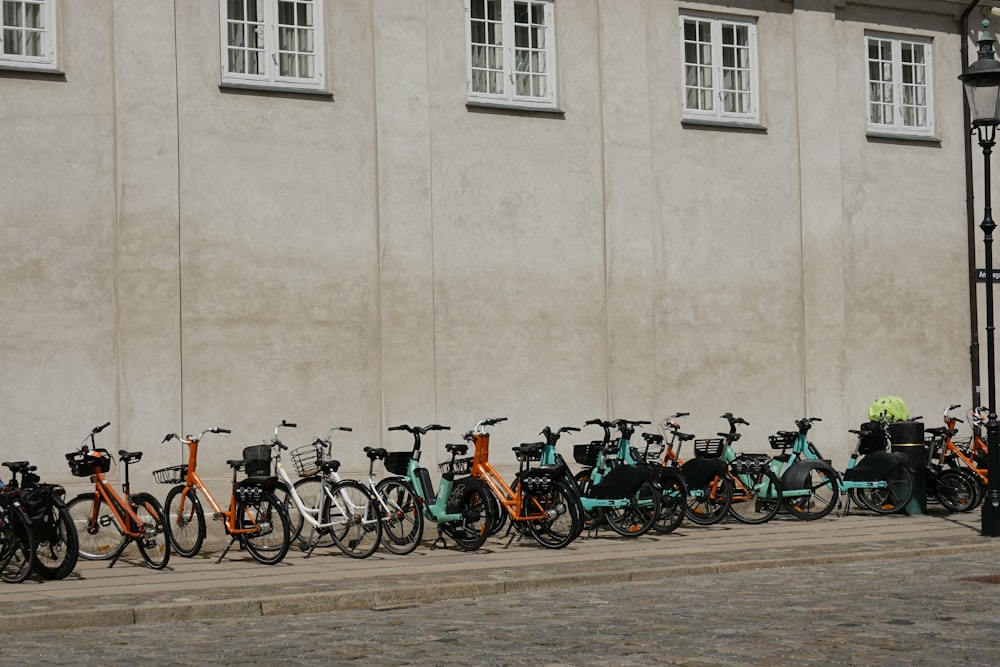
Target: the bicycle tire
(958, 491)
(187, 521)
(57, 553)
(402, 516)
(896, 494)
(154, 543)
(638, 517)
(17, 547)
(824, 492)
(99, 535)
(268, 544)
(756, 497)
(564, 521)
(353, 512)
(673, 503)
(470, 498)
(308, 536)
(498, 513)
(710, 503)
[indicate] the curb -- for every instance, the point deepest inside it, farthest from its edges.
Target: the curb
(386, 598)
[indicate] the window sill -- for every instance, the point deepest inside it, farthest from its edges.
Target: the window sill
(268, 89)
(513, 106)
(17, 69)
(749, 126)
(898, 136)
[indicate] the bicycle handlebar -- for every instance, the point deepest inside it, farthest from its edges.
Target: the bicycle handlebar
(480, 428)
(189, 439)
(98, 429)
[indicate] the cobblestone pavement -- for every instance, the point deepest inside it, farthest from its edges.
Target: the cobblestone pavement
(933, 610)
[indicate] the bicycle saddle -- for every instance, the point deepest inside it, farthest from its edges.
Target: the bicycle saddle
(460, 448)
(129, 457)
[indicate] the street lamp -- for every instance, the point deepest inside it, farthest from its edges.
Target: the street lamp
(982, 87)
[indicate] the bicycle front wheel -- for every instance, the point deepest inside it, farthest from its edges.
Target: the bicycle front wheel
(708, 505)
(303, 531)
(267, 541)
(97, 529)
(638, 517)
(673, 503)
(352, 514)
(756, 497)
(154, 544)
(17, 547)
(186, 519)
(57, 546)
(472, 500)
(823, 489)
(402, 517)
(563, 512)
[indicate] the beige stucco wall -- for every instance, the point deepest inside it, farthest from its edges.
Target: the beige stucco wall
(177, 256)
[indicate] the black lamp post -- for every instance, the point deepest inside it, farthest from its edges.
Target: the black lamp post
(982, 87)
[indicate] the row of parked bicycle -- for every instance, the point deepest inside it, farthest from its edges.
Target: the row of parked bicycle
(629, 488)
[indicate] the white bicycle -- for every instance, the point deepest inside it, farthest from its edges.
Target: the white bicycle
(398, 508)
(341, 511)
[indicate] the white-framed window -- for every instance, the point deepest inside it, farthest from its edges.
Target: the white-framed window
(720, 78)
(511, 52)
(272, 43)
(28, 35)
(900, 94)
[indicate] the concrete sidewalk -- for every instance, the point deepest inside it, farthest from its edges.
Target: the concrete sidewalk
(131, 593)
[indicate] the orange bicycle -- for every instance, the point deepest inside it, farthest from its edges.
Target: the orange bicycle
(956, 472)
(540, 502)
(255, 518)
(107, 522)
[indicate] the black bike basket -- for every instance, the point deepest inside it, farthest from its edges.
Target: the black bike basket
(85, 464)
(586, 455)
(455, 467)
(397, 462)
(782, 439)
(709, 448)
(258, 458)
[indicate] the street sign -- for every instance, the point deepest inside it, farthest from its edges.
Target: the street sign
(980, 275)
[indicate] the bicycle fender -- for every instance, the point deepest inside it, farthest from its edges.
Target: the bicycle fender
(875, 466)
(620, 482)
(699, 472)
(795, 477)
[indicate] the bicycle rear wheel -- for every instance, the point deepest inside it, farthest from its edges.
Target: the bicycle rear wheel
(563, 521)
(17, 547)
(268, 540)
(99, 534)
(154, 544)
(898, 491)
(402, 517)
(353, 513)
(186, 519)
(638, 517)
(57, 547)
(756, 497)
(958, 490)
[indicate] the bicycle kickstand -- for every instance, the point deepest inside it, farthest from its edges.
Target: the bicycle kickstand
(440, 538)
(226, 550)
(114, 559)
(515, 532)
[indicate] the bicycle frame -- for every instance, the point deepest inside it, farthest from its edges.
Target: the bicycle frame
(511, 499)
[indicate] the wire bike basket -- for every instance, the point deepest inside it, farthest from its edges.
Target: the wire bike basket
(171, 475)
(306, 460)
